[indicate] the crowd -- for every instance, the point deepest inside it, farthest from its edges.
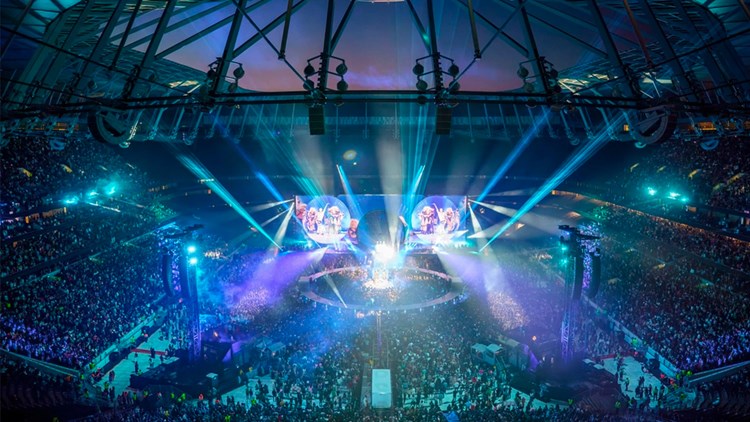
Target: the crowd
(35, 174)
(76, 230)
(719, 178)
(659, 275)
(70, 317)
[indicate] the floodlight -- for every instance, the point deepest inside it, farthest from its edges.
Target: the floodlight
(191, 248)
(239, 72)
(418, 69)
(341, 69)
(193, 261)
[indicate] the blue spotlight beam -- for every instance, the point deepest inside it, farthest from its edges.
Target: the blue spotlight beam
(351, 200)
(201, 172)
(580, 157)
(513, 156)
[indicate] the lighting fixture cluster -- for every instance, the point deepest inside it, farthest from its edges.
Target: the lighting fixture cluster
(212, 77)
(310, 71)
(453, 71)
(548, 76)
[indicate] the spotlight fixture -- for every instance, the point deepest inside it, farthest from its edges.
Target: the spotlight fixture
(528, 87)
(422, 85)
(522, 72)
(309, 70)
(308, 85)
(239, 72)
(453, 70)
(341, 69)
(342, 85)
(418, 69)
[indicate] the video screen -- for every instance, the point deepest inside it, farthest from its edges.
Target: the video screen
(368, 219)
(439, 219)
(325, 219)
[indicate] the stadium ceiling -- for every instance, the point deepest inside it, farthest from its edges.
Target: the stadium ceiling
(176, 70)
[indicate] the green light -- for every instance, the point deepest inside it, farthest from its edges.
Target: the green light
(651, 191)
(673, 195)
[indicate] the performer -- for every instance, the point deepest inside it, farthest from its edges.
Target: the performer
(450, 224)
(311, 220)
(335, 217)
(427, 219)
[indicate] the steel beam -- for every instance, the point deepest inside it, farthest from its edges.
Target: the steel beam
(612, 53)
(669, 53)
(325, 56)
(418, 23)
(266, 29)
(228, 54)
(342, 25)
(285, 34)
(101, 44)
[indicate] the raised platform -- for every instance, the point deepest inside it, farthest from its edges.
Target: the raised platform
(455, 293)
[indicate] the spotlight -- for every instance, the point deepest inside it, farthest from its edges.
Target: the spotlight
(422, 85)
(528, 87)
(309, 70)
(239, 72)
(522, 72)
(193, 261)
(191, 249)
(418, 69)
(383, 253)
(341, 69)
(421, 100)
(651, 191)
(454, 87)
(453, 70)
(342, 85)
(211, 74)
(308, 85)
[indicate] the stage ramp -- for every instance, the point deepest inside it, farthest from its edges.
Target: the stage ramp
(381, 389)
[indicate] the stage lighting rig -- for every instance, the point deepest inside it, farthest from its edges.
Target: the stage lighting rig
(548, 76)
(213, 76)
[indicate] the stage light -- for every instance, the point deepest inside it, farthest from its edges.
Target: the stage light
(71, 200)
(383, 253)
(651, 191)
(453, 70)
(522, 72)
(684, 199)
(673, 195)
(239, 72)
(341, 69)
(93, 193)
(342, 85)
(422, 85)
(193, 261)
(309, 70)
(528, 87)
(191, 249)
(350, 154)
(308, 85)
(418, 69)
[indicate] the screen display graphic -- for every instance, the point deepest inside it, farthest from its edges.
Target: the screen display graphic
(325, 219)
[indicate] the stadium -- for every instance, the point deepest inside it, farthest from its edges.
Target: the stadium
(382, 210)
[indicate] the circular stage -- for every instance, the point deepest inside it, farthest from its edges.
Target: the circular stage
(363, 288)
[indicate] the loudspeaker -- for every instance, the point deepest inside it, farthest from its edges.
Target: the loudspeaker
(166, 274)
(577, 277)
(443, 118)
(317, 120)
(596, 275)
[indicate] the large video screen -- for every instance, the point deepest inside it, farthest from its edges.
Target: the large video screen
(372, 218)
(439, 219)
